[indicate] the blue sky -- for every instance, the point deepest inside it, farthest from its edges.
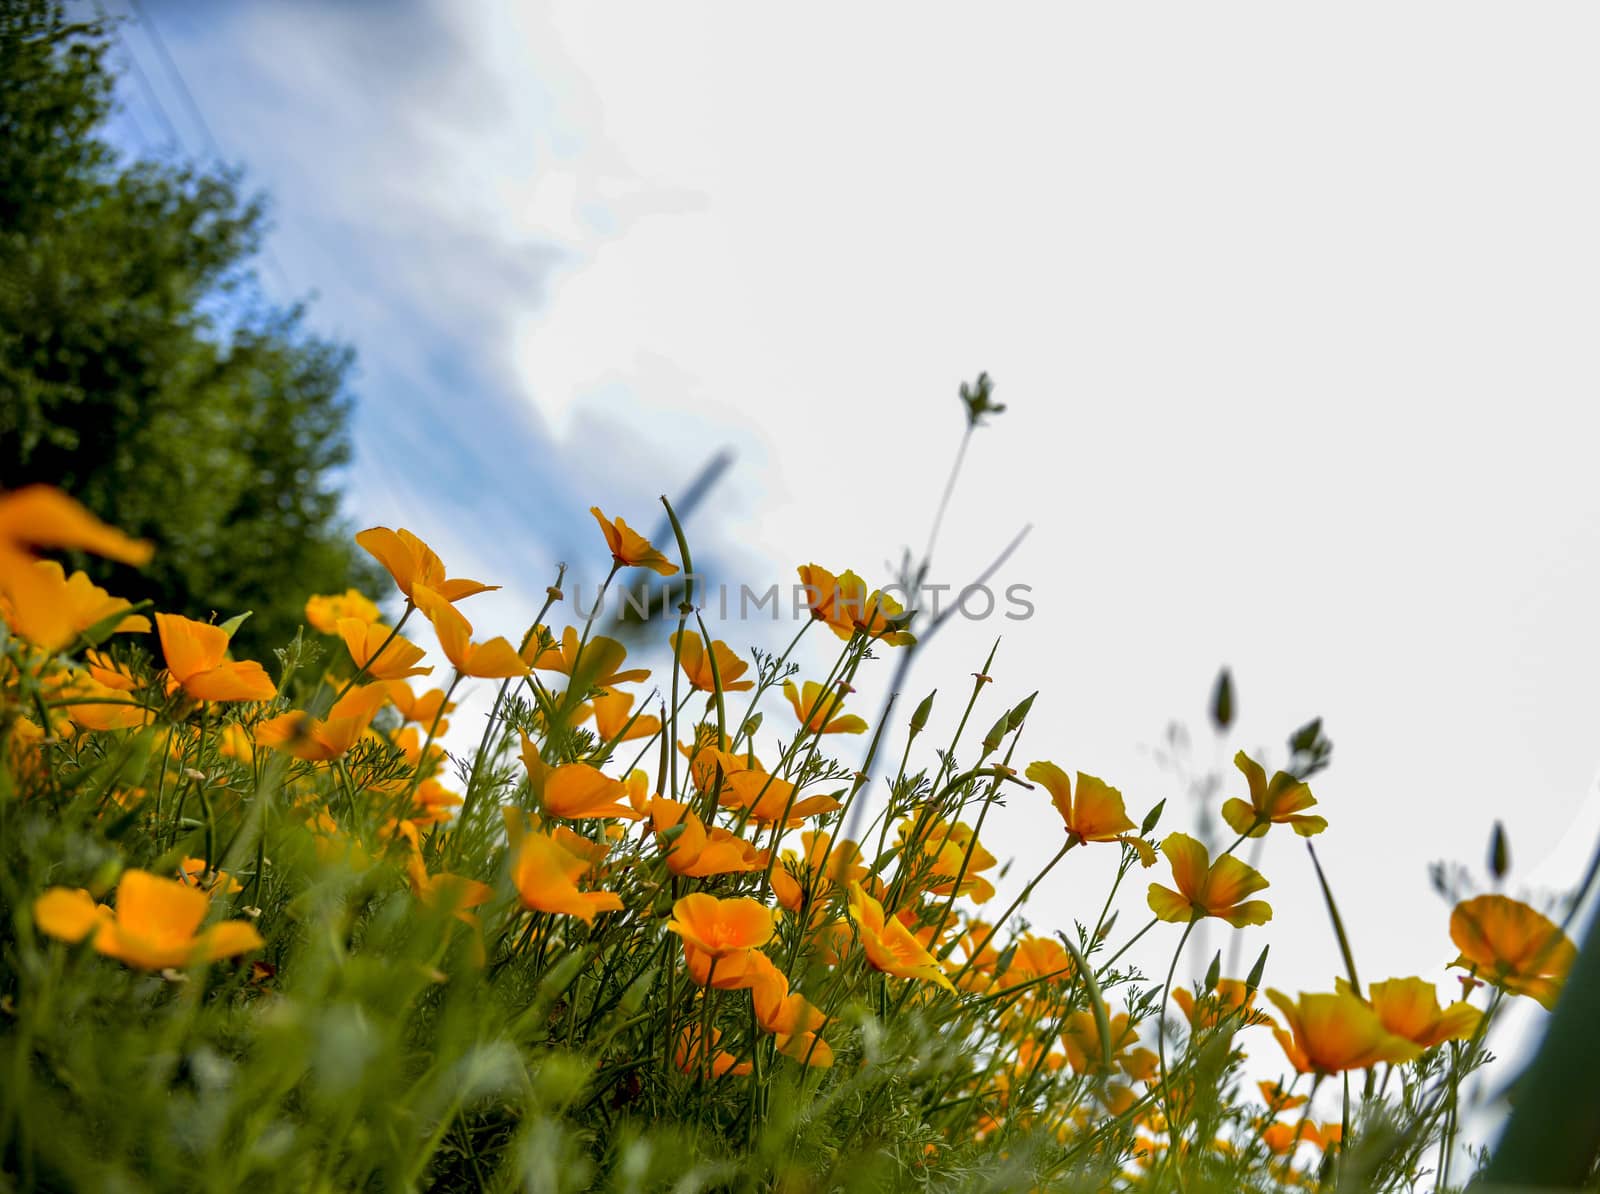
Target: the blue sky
(1290, 309)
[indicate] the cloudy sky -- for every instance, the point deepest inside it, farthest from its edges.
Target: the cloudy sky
(1291, 308)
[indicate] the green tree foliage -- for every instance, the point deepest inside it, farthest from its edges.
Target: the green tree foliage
(140, 370)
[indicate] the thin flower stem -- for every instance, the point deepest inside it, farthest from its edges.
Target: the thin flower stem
(1174, 1132)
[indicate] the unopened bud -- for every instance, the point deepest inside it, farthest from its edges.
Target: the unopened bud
(919, 717)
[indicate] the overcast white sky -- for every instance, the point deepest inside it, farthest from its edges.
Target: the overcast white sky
(1292, 309)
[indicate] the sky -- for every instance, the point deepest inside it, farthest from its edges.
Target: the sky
(1291, 310)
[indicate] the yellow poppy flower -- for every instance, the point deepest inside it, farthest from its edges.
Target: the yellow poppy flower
(696, 663)
(324, 611)
(577, 791)
(598, 664)
(154, 926)
(1207, 888)
(722, 927)
(1409, 1007)
(610, 712)
(412, 562)
(890, 945)
(382, 657)
(546, 877)
(495, 659)
(1512, 946)
(1278, 801)
(629, 548)
(767, 798)
(1332, 1033)
(194, 652)
(845, 605)
(321, 739)
(818, 713)
(1096, 814)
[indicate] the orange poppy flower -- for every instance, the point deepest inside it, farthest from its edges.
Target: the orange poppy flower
(1280, 1136)
(690, 1057)
(1231, 1001)
(1278, 1099)
(1278, 801)
(495, 659)
(420, 709)
(1096, 815)
(194, 652)
(1081, 1039)
(1207, 888)
(1409, 1007)
(696, 663)
(629, 548)
(722, 927)
(110, 673)
(412, 562)
(598, 664)
(321, 739)
(1512, 946)
(890, 945)
(52, 609)
(818, 713)
(155, 924)
(324, 611)
(1332, 1033)
(845, 605)
(737, 971)
(382, 657)
(696, 852)
(610, 712)
(195, 873)
(947, 846)
(546, 878)
(102, 707)
(433, 804)
(447, 891)
(38, 516)
(766, 797)
(577, 792)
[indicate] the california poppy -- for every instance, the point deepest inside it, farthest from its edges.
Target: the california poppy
(890, 945)
(695, 661)
(324, 610)
(1332, 1033)
(194, 652)
(155, 925)
(412, 562)
(495, 659)
(320, 739)
(818, 712)
(1207, 888)
(379, 652)
(1278, 801)
(1096, 814)
(1512, 946)
(1409, 1007)
(546, 878)
(629, 548)
(722, 927)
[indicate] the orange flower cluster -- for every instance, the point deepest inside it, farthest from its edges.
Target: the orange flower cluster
(733, 847)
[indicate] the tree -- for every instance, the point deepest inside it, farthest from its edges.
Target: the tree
(141, 370)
